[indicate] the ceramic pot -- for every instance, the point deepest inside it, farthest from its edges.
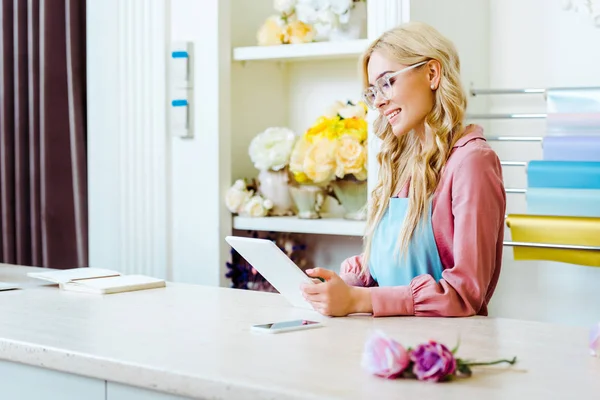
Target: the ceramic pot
(355, 28)
(308, 200)
(352, 195)
(274, 185)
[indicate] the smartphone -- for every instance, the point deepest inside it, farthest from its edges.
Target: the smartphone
(286, 326)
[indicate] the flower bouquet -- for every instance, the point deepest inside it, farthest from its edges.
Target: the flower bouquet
(333, 19)
(242, 199)
(304, 21)
(270, 153)
(430, 361)
(333, 153)
(285, 27)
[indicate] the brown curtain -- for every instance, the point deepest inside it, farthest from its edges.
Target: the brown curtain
(43, 175)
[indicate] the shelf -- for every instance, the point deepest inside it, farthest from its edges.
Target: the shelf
(301, 52)
(323, 226)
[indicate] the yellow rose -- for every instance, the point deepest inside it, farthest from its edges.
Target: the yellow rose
(297, 157)
(356, 127)
(297, 32)
(318, 129)
(271, 32)
(319, 163)
(350, 157)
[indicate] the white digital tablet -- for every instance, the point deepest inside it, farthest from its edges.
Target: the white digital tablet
(275, 266)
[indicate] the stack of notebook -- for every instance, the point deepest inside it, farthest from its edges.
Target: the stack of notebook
(97, 280)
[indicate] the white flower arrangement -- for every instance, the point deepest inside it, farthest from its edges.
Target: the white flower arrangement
(324, 15)
(305, 21)
(243, 199)
(271, 149)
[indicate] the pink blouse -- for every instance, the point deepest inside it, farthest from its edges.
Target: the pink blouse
(469, 208)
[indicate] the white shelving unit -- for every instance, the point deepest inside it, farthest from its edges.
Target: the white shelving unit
(242, 89)
(350, 49)
(323, 226)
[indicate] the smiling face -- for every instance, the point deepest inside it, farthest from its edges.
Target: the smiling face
(411, 93)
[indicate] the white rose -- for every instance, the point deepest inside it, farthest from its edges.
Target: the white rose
(271, 149)
(334, 109)
(340, 6)
(325, 21)
(240, 184)
(322, 4)
(351, 111)
(268, 204)
(235, 199)
(284, 6)
(306, 12)
(255, 207)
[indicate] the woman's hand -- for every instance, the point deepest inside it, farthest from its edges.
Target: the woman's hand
(334, 297)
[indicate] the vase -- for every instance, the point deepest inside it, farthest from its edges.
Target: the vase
(352, 195)
(308, 200)
(355, 28)
(274, 185)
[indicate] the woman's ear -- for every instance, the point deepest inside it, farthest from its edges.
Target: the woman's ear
(434, 73)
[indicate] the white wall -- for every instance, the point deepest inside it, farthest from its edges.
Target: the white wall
(201, 166)
(535, 43)
(127, 157)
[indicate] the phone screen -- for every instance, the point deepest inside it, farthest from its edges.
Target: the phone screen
(286, 324)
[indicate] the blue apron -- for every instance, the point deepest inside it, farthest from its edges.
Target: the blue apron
(385, 264)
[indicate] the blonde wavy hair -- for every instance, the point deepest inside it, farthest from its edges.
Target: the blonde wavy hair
(408, 159)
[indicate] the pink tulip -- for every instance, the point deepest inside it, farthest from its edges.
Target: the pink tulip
(595, 339)
(384, 356)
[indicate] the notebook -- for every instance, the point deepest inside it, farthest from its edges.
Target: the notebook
(8, 286)
(98, 280)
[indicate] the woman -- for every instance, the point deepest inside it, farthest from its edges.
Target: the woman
(433, 244)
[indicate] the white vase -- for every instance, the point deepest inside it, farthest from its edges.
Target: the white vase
(274, 185)
(352, 194)
(356, 28)
(308, 200)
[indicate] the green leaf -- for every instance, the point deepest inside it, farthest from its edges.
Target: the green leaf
(455, 349)
(462, 368)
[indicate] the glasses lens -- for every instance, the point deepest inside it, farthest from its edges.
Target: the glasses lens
(385, 87)
(369, 97)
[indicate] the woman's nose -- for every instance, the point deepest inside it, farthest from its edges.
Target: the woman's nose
(379, 100)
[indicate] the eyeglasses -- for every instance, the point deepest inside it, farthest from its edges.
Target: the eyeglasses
(383, 86)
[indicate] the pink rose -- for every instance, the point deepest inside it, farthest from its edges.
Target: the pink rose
(384, 356)
(432, 362)
(595, 339)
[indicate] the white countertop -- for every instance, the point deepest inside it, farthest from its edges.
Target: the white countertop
(193, 340)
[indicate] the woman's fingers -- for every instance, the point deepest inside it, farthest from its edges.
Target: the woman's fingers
(320, 273)
(313, 289)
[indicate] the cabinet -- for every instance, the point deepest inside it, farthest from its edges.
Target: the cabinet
(20, 381)
(117, 391)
